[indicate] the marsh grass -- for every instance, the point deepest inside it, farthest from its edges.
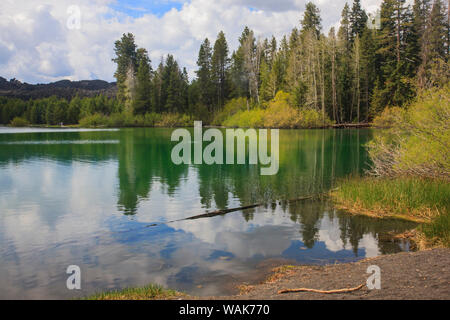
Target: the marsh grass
(415, 199)
(150, 292)
(438, 231)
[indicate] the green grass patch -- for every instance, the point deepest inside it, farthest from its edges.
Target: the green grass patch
(415, 199)
(438, 231)
(150, 292)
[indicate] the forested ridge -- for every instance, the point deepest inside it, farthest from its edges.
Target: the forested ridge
(305, 79)
(63, 89)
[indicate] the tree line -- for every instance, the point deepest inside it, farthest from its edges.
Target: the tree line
(349, 75)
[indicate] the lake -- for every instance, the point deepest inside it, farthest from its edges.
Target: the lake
(91, 198)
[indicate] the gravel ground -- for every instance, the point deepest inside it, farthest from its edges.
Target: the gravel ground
(407, 275)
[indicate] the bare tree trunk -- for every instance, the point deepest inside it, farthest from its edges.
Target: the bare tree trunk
(333, 77)
(398, 32)
(322, 71)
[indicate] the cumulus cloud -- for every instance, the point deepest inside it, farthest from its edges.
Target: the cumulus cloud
(37, 46)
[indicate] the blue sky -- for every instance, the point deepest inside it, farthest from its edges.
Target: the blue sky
(138, 8)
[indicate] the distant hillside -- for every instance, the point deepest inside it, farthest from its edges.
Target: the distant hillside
(63, 89)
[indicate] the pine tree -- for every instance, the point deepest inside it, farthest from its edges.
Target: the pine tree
(172, 97)
(357, 20)
(126, 60)
(311, 19)
(434, 69)
(143, 96)
(204, 74)
(219, 69)
(393, 87)
(438, 30)
(184, 92)
(368, 68)
(157, 87)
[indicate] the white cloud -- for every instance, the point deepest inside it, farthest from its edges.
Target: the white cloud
(37, 46)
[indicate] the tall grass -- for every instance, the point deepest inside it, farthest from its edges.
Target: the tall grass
(407, 197)
(438, 231)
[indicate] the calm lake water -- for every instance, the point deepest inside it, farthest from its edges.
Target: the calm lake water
(87, 198)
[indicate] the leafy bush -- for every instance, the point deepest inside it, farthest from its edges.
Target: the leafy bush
(174, 120)
(310, 118)
(230, 109)
(95, 120)
(151, 119)
(117, 120)
(246, 119)
(418, 140)
(279, 113)
(389, 117)
(19, 122)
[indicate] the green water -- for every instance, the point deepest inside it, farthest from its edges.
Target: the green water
(87, 198)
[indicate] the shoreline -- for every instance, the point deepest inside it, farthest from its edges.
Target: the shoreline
(429, 278)
(77, 126)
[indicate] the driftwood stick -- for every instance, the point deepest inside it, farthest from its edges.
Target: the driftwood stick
(321, 291)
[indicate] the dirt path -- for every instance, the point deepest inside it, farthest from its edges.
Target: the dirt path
(418, 275)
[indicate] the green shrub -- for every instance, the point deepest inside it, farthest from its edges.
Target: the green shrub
(418, 140)
(231, 108)
(389, 117)
(151, 119)
(310, 118)
(19, 122)
(246, 119)
(279, 113)
(94, 120)
(174, 120)
(116, 120)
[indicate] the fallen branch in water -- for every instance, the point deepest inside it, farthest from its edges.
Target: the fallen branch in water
(220, 212)
(321, 291)
(225, 211)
